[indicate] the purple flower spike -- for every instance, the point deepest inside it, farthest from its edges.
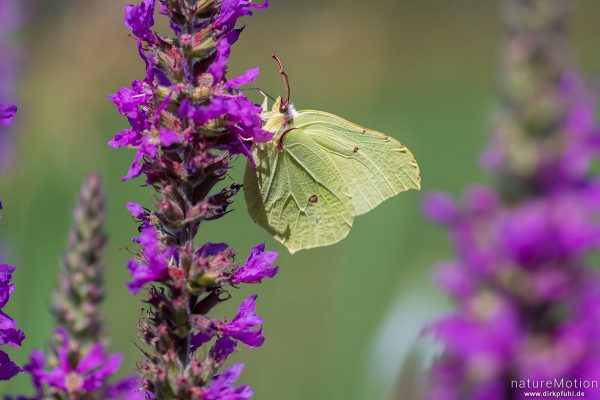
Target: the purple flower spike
(527, 300)
(259, 266)
(76, 365)
(187, 122)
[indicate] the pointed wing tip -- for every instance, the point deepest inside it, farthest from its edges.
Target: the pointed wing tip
(418, 185)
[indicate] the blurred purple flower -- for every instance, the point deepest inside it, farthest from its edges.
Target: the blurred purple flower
(528, 305)
(7, 114)
(440, 208)
(88, 375)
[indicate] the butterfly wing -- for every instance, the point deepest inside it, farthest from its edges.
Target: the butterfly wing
(296, 194)
(373, 166)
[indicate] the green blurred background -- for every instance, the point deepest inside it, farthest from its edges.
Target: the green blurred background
(341, 322)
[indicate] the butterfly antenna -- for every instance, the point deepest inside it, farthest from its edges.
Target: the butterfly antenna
(259, 90)
(286, 82)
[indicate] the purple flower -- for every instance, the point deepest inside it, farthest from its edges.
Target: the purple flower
(6, 285)
(222, 349)
(454, 279)
(245, 326)
(129, 388)
(155, 265)
(8, 368)
(35, 369)
(440, 208)
(137, 211)
(211, 249)
(222, 386)
(201, 338)
(246, 78)
(201, 115)
(149, 145)
(9, 334)
(218, 68)
(140, 19)
(7, 114)
(87, 373)
(126, 138)
(554, 230)
(134, 103)
(232, 10)
(259, 266)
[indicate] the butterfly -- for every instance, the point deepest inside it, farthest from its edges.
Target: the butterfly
(319, 172)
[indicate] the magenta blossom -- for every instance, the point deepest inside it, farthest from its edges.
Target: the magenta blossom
(10, 335)
(89, 374)
(140, 19)
(232, 10)
(155, 266)
(259, 266)
(245, 326)
(7, 114)
(222, 386)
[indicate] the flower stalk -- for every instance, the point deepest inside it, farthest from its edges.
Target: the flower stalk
(80, 290)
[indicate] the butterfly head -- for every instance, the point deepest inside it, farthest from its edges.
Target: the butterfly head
(279, 119)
